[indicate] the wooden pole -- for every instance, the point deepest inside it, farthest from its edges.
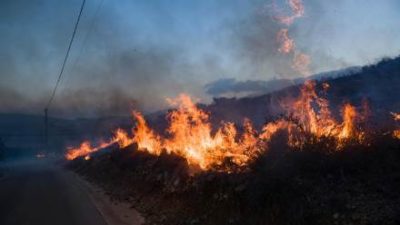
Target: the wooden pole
(46, 124)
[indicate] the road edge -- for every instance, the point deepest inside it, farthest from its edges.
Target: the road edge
(120, 213)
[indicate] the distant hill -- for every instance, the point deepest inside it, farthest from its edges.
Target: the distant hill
(229, 87)
(377, 84)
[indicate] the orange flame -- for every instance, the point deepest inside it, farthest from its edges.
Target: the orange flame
(85, 149)
(190, 134)
(286, 43)
(146, 139)
(396, 133)
(349, 115)
(122, 138)
(396, 117)
(301, 61)
(297, 8)
(321, 123)
(310, 114)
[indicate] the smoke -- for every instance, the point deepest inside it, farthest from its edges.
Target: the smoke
(75, 103)
(230, 86)
(138, 53)
(92, 102)
(114, 70)
(260, 39)
(331, 32)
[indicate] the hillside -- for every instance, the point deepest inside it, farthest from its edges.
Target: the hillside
(377, 85)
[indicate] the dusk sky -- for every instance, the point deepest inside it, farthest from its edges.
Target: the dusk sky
(134, 54)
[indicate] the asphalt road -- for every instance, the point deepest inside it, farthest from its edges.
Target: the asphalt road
(37, 192)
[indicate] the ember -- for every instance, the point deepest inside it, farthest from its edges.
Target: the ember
(300, 61)
(286, 43)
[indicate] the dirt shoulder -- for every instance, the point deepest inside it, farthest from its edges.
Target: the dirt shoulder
(115, 212)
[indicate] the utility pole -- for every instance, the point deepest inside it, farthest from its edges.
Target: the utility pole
(46, 125)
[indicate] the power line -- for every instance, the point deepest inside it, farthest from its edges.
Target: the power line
(66, 57)
(91, 27)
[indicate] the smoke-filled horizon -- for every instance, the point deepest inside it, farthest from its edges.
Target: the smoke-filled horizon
(137, 53)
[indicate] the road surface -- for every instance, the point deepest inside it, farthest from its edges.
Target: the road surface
(37, 192)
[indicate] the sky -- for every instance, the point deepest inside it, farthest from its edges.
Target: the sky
(134, 54)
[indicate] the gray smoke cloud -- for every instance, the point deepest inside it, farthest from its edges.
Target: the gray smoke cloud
(256, 47)
(138, 53)
(105, 75)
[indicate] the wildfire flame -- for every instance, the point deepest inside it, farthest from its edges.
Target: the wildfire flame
(285, 42)
(145, 137)
(310, 114)
(301, 61)
(320, 122)
(122, 138)
(396, 117)
(85, 149)
(297, 8)
(190, 134)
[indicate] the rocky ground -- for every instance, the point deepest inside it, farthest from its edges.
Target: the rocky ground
(358, 185)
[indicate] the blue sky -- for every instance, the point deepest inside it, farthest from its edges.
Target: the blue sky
(139, 52)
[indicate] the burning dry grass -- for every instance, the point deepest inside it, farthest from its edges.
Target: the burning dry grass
(190, 135)
(84, 150)
(355, 185)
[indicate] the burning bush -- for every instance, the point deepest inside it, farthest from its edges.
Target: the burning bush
(190, 133)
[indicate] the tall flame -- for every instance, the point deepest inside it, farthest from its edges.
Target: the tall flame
(349, 115)
(145, 137)
(312, 115)
(309, 114)
(190, 134)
